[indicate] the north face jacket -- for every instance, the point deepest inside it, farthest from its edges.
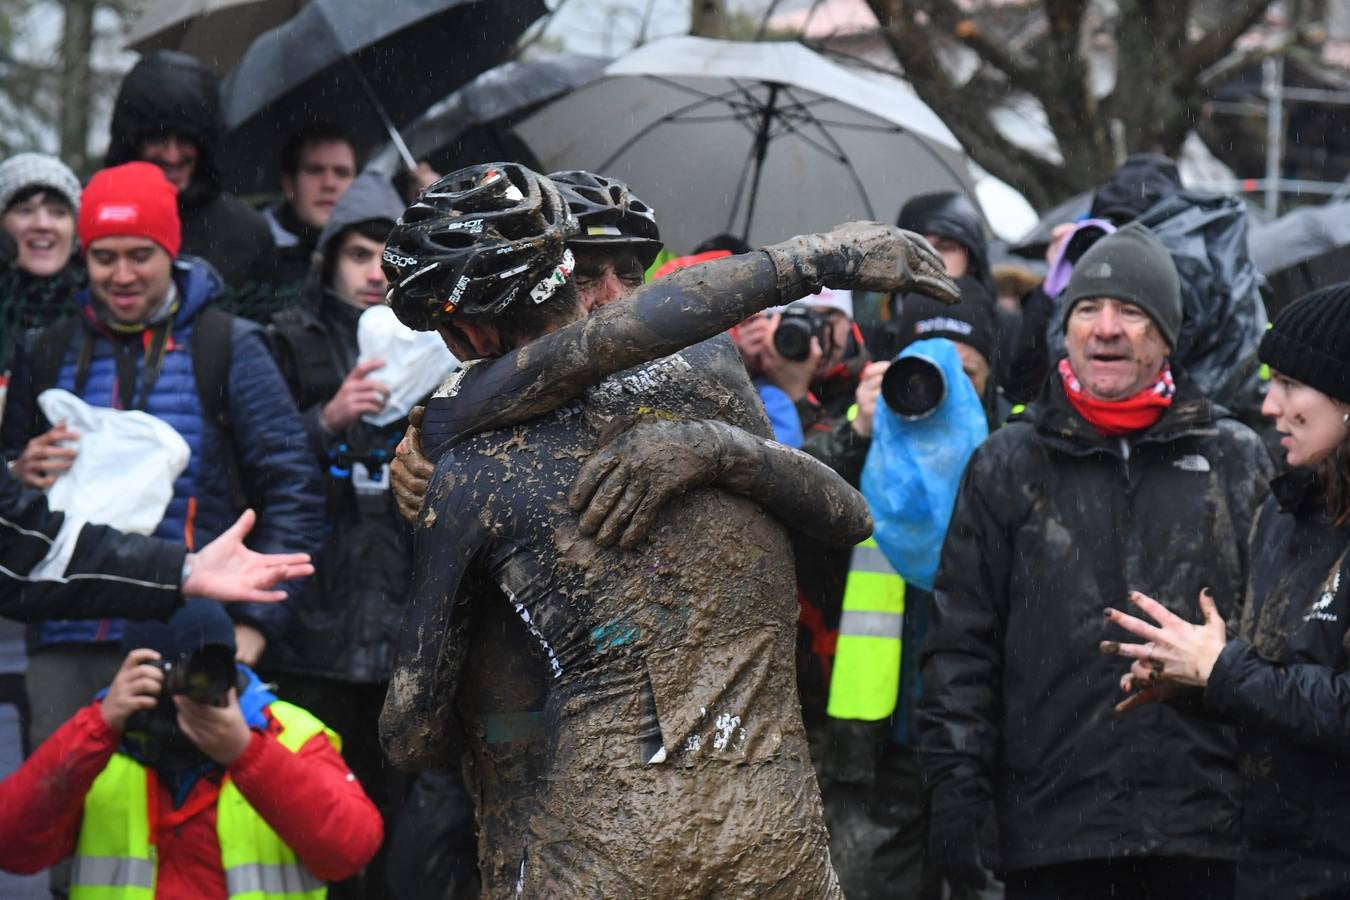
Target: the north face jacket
(1053, 523)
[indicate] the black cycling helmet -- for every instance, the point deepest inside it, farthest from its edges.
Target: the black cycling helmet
(477, 241)
(609, 213)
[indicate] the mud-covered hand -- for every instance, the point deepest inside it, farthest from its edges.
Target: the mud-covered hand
(865, 256)
(1174, 650)
(410, 472)
(621, 489)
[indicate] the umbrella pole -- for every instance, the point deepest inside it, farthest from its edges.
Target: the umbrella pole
(761, 151)
(388, 123)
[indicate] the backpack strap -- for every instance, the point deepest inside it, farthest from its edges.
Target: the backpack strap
(318, 373)
(212, 342)
(45, 356)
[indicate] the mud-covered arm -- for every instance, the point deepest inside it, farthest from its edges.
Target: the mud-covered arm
(668, 315)
(418, 724)
(621, 489)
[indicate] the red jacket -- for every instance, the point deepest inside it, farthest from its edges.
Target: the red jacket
(310, 799)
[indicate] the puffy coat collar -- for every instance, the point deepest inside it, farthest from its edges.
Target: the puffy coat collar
(198, 285)
(1296, 491)
(1060, 425)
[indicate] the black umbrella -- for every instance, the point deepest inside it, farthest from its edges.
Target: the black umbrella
(472, 125)
(365, 66)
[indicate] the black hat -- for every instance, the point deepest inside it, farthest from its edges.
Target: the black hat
(196, 623)
(1133, 266)
(1310, 341)
(968, 322)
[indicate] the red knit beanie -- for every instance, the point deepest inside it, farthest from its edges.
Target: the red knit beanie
(131, 200)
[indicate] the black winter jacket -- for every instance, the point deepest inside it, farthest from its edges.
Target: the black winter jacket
(1054, 522)
(348, 618)
(1285, 683)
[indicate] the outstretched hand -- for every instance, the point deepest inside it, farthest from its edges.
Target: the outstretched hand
(1175, 652)
(226, 570)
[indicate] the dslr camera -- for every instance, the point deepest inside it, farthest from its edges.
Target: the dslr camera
(203, 676)
(796, 327)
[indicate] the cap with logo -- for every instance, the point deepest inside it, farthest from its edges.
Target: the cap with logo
(1132, 266)
(130, 200)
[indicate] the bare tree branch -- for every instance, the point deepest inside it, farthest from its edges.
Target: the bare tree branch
(1239, 15)
(1021, 73)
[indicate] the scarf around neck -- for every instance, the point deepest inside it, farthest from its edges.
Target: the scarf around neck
(1116, 417)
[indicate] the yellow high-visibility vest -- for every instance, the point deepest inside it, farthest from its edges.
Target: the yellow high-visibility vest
(865, 680)
(114, 859)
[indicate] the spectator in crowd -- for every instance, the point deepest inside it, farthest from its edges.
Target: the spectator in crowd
(168, 112)
(39, 197)
(870, 779)
(336, 656)
(1281, 679)
(147, 338)
(161, 794)
(318, 163)
(1122, 475)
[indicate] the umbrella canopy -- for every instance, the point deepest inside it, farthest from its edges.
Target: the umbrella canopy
(472, 124)
(765, 140)
(217, 32)
(365, 66)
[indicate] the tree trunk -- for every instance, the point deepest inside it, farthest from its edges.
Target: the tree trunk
(77, 37)
(708, 18)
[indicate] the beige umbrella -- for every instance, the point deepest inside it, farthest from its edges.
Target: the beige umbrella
(215, 31)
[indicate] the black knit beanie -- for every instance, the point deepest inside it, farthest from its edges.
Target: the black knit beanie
(1310, 341)
(970, 322)
(1132, 266)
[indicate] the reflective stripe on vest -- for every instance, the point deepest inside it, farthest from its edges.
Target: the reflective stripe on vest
(114, 859)
(865, 680)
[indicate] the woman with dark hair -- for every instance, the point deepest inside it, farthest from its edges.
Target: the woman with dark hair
(39, 200)
(1284, 680)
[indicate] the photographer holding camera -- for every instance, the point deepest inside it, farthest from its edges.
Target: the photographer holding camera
(188, 777)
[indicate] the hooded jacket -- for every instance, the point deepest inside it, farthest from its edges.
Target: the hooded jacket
(348, 617)
(172, 93)
(1054, 522)
(1284, 683)
(264, 425)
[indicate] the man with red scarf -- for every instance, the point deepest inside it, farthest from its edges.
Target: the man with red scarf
(1121, 474)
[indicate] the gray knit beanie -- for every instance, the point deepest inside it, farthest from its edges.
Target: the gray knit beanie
(28, 170)
(1133, 266)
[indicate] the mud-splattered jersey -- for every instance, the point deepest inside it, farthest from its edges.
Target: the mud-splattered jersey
(668, 668)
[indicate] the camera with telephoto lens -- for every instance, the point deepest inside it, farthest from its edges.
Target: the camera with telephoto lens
(913, 387)
(796, 327)
(203, 676)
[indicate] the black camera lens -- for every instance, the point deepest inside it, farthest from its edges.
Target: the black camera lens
(792, 337)
(913, 387)
(205, 676)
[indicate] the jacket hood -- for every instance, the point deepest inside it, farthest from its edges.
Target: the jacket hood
(1139, 183)
(370, 196)
(951, 215)
(169, 93)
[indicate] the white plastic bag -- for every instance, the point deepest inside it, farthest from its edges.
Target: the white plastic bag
(415, 362)
(124, 472)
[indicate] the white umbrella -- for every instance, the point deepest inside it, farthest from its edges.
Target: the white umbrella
(764, 140)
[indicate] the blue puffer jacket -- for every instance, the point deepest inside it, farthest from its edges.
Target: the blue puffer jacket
(268, 435)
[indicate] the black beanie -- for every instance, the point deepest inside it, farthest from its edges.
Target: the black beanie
(197, 623)
(968, 322)
(1132, 266)
(1310, 341)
